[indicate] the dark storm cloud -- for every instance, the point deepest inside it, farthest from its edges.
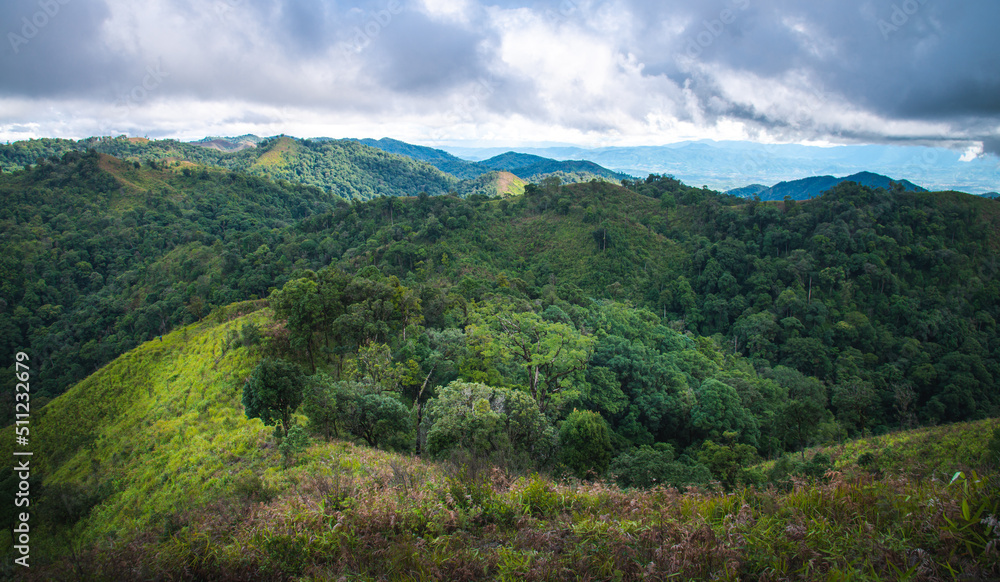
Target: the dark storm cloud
(912, 59)
(53, 49)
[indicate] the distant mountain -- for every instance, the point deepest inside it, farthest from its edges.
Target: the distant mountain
(440, 159)
(747, 191)
(723, 165)
(346, 168)
(816, 185)
(530, 166)
(991, 195)
(493, 185)
(229, 144)
(525, 166)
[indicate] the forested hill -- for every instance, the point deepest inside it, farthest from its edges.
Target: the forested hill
(889, 300)
(524, 166)
(345, 168)
(349, 168)
(99, 254)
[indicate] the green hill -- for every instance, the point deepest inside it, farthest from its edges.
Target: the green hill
(344, 168)
(440, 159)
(149, 469)
(887, 299)
(99, 254)
(529, 167)
(812, 187)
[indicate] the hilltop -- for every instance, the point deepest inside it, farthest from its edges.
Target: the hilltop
(526, 167)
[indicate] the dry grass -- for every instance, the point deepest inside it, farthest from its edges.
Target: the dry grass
(353, 513)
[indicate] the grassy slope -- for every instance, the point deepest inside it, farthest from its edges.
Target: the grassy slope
(195, 487)
(163, 422)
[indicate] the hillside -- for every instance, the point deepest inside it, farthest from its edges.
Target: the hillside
(440, 159)
(532, 168)
(99, 254)
(858, 288)
(645, 334)
(150, 469)
(526, 167)
(229, 144)
(730, 164)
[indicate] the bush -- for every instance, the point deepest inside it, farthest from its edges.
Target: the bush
(273, 392)
(648, 466)
(993, 448)
(294, 443)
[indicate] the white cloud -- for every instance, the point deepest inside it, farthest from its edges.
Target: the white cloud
(590, 71)
(972, 152)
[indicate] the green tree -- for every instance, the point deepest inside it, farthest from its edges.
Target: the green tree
(854, 399)
(719, 410)
(375, 418)
(298, 302)
(727, 460)
(295, 441)
(549, 353)
(320, 405)
(585, 443)
(273, 392)
(492, 422)
(803, 411)
(654, 466)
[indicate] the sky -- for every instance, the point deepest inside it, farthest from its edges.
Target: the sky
(586, 72)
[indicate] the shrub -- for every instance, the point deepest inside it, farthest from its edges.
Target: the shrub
(648, 466)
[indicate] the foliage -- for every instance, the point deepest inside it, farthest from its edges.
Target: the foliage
(654, 466)
(585, 443)
(273, 392)
(295, 441)
(373, 417)
(490, 422)
(170, 477)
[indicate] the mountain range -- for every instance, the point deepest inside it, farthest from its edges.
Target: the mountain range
(725, 165)
(812, 187)
(359, 169)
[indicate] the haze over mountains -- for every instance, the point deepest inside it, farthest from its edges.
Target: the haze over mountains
(725, 165)
(758, 170)
(741, 168)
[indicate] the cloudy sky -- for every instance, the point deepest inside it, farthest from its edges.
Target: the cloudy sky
(588, 72)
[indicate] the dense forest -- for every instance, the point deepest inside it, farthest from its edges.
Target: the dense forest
(887, 299)
(649, 335)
